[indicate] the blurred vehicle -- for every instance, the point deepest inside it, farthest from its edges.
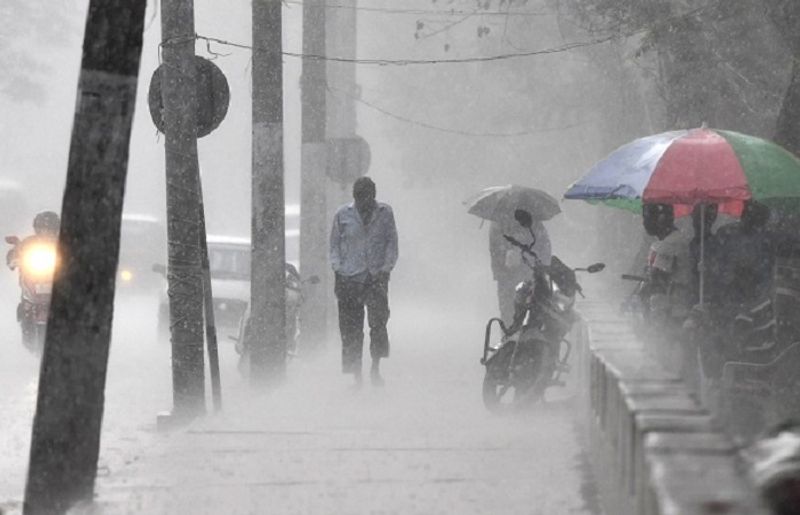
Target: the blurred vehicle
(143, 241)
(36, 259)
(534, 352)
(229, 264)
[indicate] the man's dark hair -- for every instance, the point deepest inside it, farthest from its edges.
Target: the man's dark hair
(657, 218)
(364, 187)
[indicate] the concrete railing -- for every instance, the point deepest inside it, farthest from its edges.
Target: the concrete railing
(654, 449)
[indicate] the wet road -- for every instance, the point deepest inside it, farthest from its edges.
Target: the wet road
(421, 444)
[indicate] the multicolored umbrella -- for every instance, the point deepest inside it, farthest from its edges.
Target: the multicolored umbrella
(685, 168)
(499, 202)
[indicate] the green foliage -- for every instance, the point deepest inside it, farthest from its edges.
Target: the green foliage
(718, 61)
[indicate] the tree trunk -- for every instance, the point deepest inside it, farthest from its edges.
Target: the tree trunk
(787, 131)
(183, 201)
(66, 428)
(268, 267)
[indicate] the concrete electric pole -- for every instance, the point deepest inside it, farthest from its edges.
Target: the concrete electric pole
(179, 93)
(65, 441)
(314, 182)
(342, 38)
(341, 122)
(268, 273)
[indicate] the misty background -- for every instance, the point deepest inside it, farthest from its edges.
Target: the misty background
(592, 75)
(437, 132)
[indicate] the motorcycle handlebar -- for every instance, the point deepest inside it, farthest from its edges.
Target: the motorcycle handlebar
(637, 278)
(515, 242)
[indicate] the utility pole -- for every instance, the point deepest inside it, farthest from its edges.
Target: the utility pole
(65, 441)
(179, 95)
(341, 41)
(314, 182)
(341, 107)
(208, 311)
(268, 266)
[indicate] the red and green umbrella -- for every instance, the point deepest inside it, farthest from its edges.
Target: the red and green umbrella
(685, 168)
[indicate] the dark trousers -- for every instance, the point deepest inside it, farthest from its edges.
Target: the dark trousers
(354, 296)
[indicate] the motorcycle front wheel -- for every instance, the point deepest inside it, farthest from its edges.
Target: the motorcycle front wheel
(33, 336)
(507, 390)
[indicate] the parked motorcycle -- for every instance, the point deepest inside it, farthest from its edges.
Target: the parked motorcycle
(773, 462)
(36, 258)
(533, 353)
(294, 300)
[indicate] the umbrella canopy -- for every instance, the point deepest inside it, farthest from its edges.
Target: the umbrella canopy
(499, 202)
(685, 168)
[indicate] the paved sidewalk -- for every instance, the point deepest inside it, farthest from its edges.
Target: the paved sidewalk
(421, 444)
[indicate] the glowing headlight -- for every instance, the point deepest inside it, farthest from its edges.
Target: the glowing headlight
(126, 276)
(39, 261)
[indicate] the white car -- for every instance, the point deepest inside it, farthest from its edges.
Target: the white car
(229, 263)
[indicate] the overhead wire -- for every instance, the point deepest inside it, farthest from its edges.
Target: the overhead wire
(460, 132)
(409, 62)
(421, 12)
(436, 61)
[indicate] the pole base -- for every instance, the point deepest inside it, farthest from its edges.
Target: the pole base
(169, 421)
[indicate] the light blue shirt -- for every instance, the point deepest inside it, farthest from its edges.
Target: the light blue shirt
(356, 248)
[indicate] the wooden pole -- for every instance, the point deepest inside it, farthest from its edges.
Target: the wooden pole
(65, 441)
(268, 272)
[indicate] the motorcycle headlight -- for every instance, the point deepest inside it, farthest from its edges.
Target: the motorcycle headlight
(126, 276)
(562, 302)
(39, 261)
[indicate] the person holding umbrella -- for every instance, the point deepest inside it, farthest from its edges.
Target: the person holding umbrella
(690, 167)
(669, 265)
(497, 205)
(746, 257)
(508, 269)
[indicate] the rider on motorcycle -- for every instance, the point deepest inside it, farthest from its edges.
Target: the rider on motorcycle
(36, 257)
(46, 226)
(668, 288)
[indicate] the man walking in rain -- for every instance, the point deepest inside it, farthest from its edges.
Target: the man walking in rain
(363, 252)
